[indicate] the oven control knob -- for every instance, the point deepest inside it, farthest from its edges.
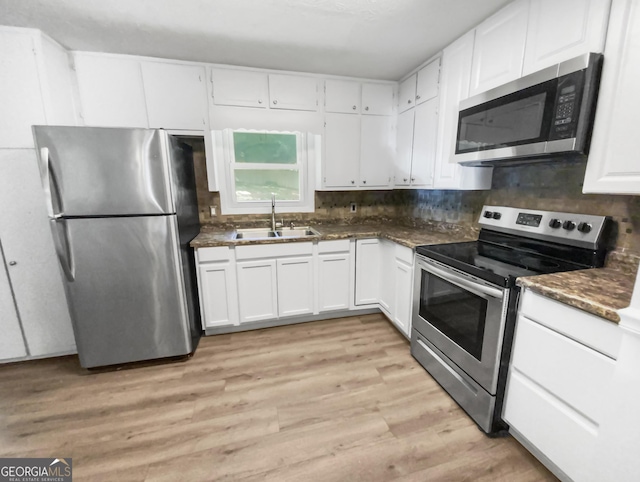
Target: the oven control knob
(584, 227)
(569, 225)
(555, 223)
(497, 215)
(488, 214)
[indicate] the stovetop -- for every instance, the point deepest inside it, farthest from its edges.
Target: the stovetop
(516, 242)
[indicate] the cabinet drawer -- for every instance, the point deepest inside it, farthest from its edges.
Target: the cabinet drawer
(563, 435)
(218, 253)
(593, 331)
(574, 373)
(273, 250)
(337, 246)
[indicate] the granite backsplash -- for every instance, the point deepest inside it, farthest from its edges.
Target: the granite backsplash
(554, 186)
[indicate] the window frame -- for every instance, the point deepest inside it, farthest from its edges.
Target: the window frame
(227, 166)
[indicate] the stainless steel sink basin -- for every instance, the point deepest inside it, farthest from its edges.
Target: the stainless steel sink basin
(255, 233)
(263, 233)
(297, 232)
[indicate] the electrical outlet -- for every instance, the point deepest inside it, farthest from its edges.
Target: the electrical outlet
(353, 207)
(212, 210)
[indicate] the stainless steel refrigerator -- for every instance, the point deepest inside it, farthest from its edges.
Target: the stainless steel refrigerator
(123, 208)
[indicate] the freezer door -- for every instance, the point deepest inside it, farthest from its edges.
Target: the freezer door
(96, 171)
(125, 289)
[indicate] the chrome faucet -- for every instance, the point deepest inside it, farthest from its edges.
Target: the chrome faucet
(273, 211)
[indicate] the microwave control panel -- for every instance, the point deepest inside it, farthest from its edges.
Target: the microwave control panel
(567, 106)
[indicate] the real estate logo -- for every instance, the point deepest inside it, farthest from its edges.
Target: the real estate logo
(35, 470)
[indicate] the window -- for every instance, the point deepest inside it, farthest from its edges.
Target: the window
(261, 163)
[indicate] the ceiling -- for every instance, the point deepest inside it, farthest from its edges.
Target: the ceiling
(381, 39)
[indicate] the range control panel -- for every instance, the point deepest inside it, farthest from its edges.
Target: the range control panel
(583, 230)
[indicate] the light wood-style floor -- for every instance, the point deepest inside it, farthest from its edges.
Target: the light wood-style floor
(338, 400)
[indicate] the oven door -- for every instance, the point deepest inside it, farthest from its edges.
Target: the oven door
(463, 317)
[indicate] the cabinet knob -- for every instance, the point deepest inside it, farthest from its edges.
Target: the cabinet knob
(405, 179)
(409, 101)
(418, 97)
(413, 179)
(275, 102)
(259, 101)
(12, 263)
(354, 107)
(364, 182)
(353, 182)
(366, 108)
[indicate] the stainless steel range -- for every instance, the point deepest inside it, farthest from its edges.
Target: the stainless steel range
(465, 297)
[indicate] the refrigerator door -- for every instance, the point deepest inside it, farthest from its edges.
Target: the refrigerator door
(125, 289)
(97, 171)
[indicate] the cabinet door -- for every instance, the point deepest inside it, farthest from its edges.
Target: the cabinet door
(58, 82)
(376, 152)
(28, 248)
(387, 277)
(367, 271)
(296, 286)
(425, 137)
(11, 342)
(499, 47)
(293, 92)
(257, 290)
(20, 95)
(407, 93)
(219, 294)
(176, 95)
(342, 96)
(403, 287)
(404, 148)
(333, 281)
(111, 91)
(342, 150)
(240, 88)
(377, 99)
(559, 31)
(612, 166)
(428, 80)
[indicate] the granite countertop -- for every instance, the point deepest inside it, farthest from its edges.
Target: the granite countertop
(600, 291)
(406, 236)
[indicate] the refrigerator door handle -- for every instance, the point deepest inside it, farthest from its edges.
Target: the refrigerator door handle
(47, 178)
(63, 248)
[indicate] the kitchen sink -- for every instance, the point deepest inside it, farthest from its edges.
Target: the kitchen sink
(298, 232)
(255, 233)
(262, 233)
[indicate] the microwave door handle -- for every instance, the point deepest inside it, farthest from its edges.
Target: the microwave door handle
(478, 289)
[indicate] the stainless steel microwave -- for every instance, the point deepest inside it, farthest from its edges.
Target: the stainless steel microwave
(546, 114)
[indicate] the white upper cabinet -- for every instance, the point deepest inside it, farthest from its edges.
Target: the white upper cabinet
(240, 88)
(293, 92)
(377, 99)
(613, 165)
(111, 90)
(425, 136)
(376, 152)
(498, 51)
(404, 148)
(407, 93)
(342, 96)
(560, 30)
(454, 87)
(36, 80)
(428, 80)
(176, 95)
(341, 150)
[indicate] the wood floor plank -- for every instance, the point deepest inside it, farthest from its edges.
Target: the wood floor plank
(331, 400)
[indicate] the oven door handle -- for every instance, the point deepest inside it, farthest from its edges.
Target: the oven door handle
(478, 289)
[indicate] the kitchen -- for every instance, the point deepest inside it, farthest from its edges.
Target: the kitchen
(375, 182)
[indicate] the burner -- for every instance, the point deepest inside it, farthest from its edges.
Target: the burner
(538, 264)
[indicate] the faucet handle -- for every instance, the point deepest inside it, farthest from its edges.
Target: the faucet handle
(291, 225)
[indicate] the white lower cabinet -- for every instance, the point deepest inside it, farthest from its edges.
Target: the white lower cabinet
(334, 280)
(295, 286)
(257, 290)
(396, 282)
(367, 271)
(218, 287)
(562, 364)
